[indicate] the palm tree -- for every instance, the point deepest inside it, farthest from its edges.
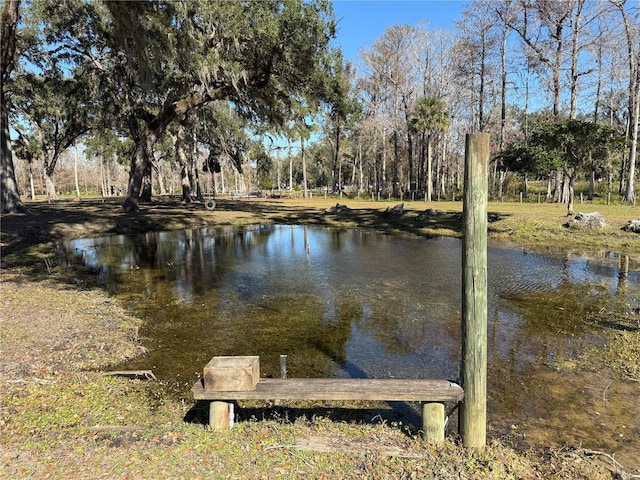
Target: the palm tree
(429, 117)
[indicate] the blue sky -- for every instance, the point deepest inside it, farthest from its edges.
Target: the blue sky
(362, 22)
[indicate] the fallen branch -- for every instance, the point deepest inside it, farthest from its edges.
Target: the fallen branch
(148, 374)
(604, 394)
(618, 468)
(41, 381)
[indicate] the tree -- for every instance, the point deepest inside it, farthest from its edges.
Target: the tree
(265, 52)
(264, 166)
(473, 54)
(632, 37)
(542, 25)
(55, 111)
(9, 194)
(181, 144)
(428, 118)
(342, 107)
(154, 63)
(578, 146)
(110, 150)
(392, 88)
(528, 161)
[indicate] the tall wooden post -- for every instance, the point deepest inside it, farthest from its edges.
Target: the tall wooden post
(473, 412)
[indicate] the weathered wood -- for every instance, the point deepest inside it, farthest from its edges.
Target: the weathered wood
(232, 373)
(473, 411)
(412, 390)
(433, 422)
(219, 415)
(148, 374)
(431, 391)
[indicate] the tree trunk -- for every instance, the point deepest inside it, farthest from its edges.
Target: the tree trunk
(50, 184)
(361, 173)
(630, 194)
(336, 159)
(9, 193)
(32, 187)
(147, 185)
(412, 184)
(420, 163)
(481, 93)
(196, 181)
(384, 160)
(557, 190)
(569, 181)
(291, 166)
(103, 182)
(429, 170)
(396, 161)
(140, 165)
(110, 183)
(304, 169)
(185, 167)
(194, 169)
(633, 59)
(567, 185)
(75, 169)
(142, 161)
(186, 184)
(503, 88)
(575, 50)
(623, 172)
(160, 176)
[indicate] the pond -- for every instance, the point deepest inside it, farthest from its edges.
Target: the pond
(355, 303)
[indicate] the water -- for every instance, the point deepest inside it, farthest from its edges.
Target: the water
(353, 303)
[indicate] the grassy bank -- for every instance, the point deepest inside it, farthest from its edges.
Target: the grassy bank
(60, 417)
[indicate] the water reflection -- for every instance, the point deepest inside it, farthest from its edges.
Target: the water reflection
(354, 303)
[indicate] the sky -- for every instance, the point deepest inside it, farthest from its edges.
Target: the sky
(362, 22)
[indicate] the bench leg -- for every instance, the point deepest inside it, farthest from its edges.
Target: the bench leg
(433, 422)
(221, 415)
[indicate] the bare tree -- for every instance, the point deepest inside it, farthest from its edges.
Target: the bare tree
(632, 36)
(473, 56)
(542, 25)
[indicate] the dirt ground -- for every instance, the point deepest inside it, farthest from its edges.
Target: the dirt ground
(60, 417)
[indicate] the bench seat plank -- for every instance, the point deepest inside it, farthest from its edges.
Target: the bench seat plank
(340, 389)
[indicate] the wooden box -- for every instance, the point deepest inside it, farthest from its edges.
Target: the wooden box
(232, 374)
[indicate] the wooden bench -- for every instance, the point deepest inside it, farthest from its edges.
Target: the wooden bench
(430, 393)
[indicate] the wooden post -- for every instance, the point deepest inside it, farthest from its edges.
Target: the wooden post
(433, 422)
(473, 412)
(221, 415)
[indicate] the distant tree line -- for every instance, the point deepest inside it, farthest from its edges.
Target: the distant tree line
(202, 97)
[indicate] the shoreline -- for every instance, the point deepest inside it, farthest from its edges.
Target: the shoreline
(60, 416)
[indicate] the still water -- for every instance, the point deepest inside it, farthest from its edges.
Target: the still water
(353, 303)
